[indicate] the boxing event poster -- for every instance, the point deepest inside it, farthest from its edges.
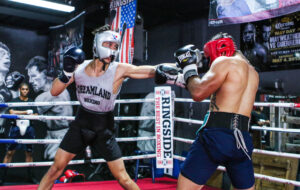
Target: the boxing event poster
(63, 37)
(273, 44)
(224, 12)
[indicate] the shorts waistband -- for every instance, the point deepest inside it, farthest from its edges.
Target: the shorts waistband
(227, 120)
(85, 110)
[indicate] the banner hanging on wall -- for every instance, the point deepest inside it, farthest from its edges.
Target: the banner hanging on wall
(63, 37)
(273, 44)
(222, 12)
(123, 14)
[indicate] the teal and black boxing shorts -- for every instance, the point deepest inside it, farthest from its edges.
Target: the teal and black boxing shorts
(94, 129)
(216, 145)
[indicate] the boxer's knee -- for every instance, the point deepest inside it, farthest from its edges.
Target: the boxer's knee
(56, 169)
(123, 178)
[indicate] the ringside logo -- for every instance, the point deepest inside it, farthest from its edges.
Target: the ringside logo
(164, 127)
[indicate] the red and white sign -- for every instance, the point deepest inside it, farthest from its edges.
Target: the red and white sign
(164, 127)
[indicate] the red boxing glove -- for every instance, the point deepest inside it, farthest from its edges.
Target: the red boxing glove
(70, 173)
(63, 179)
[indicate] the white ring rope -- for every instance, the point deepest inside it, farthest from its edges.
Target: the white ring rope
(37, 117)
(69, 118)
(141, 100)
(131, 118)
(25, 104)
(256, 175)
(138, 118)
(130, 139)
(56, 141)
(189, 100)
(180, 139)
(284, 130)
(67, 103)
(259, 151)
(72, 162)
(258, 128)
(264, 104)
(193, 121)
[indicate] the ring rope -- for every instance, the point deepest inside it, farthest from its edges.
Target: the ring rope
(284, 130)
(72, 162)
(139, 118)
(69, 118)
(256, 175)
(130, 139)
(189, 100)
(25, 104)
(56, 141)
(264, 104)
(193, 121)
(259, 151)
(131, 118)
(67, 103)
(141, 100)
(37, 117)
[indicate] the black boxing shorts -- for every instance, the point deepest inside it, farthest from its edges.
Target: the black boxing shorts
(216, 144)
(93, 129)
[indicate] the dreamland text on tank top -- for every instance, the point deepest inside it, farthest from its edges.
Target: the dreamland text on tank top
(96, 93)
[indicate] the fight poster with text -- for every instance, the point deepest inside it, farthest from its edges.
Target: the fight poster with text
(285, 42)
(222, 12)
(272, 44)
(164, 127)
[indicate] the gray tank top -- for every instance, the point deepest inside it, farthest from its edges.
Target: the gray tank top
(96, 93)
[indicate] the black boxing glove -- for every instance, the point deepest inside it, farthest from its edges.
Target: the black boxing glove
(187, 58)
(72, 57)
(14, 79)
(5, 95)
(169, 74)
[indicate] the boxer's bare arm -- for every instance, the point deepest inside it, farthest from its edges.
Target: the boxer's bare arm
(58, 86)
(201, 88)
(139, 72)
(136, 72)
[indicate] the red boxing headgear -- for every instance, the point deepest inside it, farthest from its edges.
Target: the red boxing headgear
(216, 48)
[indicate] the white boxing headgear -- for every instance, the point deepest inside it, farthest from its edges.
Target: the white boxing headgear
(102, 52)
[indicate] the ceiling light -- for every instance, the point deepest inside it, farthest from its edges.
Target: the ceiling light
(47, 4)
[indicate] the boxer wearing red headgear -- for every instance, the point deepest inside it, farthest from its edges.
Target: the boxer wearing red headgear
(219, 47)
(224, 137)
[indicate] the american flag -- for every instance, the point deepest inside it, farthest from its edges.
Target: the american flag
(125, 12)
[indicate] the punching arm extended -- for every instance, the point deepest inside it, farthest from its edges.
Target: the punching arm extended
(138, 72)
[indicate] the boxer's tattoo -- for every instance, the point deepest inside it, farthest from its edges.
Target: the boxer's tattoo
(213, 100)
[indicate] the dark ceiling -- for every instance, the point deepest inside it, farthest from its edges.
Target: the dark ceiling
(151, 12)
